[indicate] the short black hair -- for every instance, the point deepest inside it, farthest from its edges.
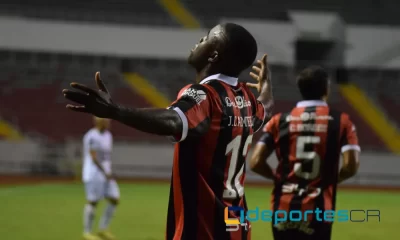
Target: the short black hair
(313, 83)
(241, 46)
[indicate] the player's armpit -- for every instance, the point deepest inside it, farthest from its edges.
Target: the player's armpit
(350, 165)
(194, 109)
(258, 162)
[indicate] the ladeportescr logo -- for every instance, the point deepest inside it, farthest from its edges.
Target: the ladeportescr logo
(281, 216)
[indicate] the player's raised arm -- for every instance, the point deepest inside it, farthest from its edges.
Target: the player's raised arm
(350, 150)
(260, 73)
(263, 150)
(99, 103)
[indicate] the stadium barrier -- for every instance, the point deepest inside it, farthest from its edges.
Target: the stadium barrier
(155, 162)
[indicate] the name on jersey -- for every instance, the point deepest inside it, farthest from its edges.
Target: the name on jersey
(197, 95)
(239, 102)
(299, 127)
(238, 121)
(308, 116)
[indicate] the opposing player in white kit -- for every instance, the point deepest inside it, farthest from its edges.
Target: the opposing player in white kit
(98, 180)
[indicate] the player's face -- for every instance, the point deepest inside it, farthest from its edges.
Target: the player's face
(205, 51)
(102, 123)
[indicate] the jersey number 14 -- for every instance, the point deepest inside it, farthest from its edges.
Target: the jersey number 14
(233, 148)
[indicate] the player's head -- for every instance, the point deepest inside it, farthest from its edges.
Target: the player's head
(101, 123)
(227, 48)
(313, 83)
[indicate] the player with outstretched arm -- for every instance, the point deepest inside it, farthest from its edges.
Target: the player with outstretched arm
(212, 123)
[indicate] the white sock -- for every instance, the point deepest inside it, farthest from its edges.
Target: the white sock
(108, 214)
(88, 217)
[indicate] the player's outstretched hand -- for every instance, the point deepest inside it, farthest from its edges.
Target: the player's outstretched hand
(97, 102)
(260, 73)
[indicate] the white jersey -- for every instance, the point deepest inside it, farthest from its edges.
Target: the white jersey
(101, 142)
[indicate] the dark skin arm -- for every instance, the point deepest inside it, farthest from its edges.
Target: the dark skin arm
(262, 75)
(258, 162)
(99, 103)
(151, 120)
(350, 165)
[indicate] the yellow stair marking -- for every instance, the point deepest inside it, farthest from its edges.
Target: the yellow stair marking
(140, 85)
(372, 116)
(9, 132)
(176, 9)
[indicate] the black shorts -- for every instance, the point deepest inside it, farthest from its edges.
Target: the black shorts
(302, 231)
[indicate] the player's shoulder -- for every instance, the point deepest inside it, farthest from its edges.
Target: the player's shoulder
(338, 115)
(195, 92)
(90, 133)
(194, 86)
(108, 134)
(276, 117)
(272, 122)
(243, 85)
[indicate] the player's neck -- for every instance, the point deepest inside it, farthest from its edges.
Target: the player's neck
(100, 129)
(206, 73)
(202, 75)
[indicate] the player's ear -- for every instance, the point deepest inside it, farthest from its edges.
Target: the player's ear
(213, 57)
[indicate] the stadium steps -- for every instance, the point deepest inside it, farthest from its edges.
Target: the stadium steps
(139, 12)
(373, 116)
(9, 132)
(391, 106)
(44, 114)
(179, 12)
(142, 86)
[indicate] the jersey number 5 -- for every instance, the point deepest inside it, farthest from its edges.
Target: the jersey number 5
(310, 157)
(234, 148)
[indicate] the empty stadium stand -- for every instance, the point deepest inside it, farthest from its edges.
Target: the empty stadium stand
(209, 12)
(32, 100)
(353, 12)
(383, 86)
(138, 12)
(30, 93)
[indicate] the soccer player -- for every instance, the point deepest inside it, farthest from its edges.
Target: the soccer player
(212, 121)
(308, 142)
(98, 179)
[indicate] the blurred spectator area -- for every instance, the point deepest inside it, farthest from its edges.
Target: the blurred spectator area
(209, 12)
(139, 12)
(31, 99)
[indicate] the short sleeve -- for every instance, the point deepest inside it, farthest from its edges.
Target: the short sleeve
(194, 108)
(94, 143)
(349, 135)
(269, 132)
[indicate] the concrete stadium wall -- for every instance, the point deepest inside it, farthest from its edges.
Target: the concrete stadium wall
(146, 161)
(367, 45)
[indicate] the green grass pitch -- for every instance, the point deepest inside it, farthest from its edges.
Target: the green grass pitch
(54, 212)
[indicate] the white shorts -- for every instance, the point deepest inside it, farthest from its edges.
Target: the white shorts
(97, 190)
